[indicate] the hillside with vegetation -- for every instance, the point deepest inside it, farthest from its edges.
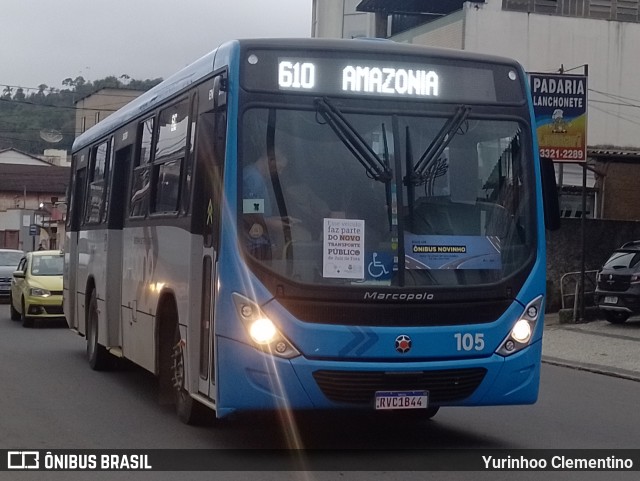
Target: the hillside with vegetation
(44, 118)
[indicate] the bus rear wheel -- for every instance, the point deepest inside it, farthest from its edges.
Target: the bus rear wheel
(189, 410)
(98, 356)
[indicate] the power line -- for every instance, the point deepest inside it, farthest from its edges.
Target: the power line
(608, 94)
(617, 115)
(87, 82)
(612, 103)
(68, 107)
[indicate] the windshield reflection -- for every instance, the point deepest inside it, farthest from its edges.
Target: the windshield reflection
(364, 199)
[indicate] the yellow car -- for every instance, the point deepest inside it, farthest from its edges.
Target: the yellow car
(36, 287)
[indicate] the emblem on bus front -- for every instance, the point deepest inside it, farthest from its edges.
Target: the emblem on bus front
(403, 344)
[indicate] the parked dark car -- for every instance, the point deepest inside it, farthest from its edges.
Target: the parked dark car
(9, 259)
(618, 290)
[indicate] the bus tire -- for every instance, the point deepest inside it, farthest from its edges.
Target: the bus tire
(189, 410)
(97, 355)
(26, 321)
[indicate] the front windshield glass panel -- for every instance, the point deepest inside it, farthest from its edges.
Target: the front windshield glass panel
(322, 204)
(47, 265)
(10, 258)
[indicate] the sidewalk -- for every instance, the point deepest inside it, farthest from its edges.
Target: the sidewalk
(596, 346)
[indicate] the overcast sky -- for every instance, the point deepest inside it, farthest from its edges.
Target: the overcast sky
(46, 41)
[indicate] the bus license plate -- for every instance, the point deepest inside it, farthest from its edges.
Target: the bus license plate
(402, 399)
(610, 300)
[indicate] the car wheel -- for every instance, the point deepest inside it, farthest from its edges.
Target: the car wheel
(15, 315)
(98, 356)
(616, 317)
(26, 321)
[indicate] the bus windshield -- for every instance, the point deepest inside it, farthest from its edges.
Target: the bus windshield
(331, 196)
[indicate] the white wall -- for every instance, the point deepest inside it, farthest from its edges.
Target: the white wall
(15, 157)
(446, 32)
(544, 43)
(11, 219)
(57, 157)
(339, 19)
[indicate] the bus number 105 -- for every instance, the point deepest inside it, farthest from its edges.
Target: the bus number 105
(469, 342)
(298, 75)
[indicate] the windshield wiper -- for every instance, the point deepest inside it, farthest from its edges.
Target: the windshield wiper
(419, 173)
(376, 168)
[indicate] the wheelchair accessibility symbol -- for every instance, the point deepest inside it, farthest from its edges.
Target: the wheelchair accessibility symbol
(379, 269)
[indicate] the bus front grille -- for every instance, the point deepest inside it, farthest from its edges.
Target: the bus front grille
(359, 387)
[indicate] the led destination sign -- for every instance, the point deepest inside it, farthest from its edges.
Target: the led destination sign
(362, 79)
(403, 77)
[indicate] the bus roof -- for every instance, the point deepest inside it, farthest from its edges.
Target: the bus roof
(202, 67)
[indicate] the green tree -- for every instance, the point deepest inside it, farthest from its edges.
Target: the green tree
(25, 120)
(19, 95)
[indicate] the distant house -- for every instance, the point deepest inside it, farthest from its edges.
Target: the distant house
(26, 192)
(99, 105)
(15, 156)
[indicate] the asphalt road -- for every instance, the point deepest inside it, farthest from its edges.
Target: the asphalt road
(51, 399)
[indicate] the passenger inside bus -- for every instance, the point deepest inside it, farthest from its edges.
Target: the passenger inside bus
(261, 189)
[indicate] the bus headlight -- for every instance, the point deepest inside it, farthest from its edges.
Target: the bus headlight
(522, 331)
(263, 332)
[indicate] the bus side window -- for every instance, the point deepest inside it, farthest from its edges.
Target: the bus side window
(117, 197)
(76, 199)
(141, 182)
(189, 160)
(171, 144)
(168, 186)
(98, 175)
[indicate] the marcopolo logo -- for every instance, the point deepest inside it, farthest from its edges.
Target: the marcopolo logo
(23, 460)
(397, 296)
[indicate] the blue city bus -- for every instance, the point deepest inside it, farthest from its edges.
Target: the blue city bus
(307, 224)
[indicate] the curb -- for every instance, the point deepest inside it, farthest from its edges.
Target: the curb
(594, 368)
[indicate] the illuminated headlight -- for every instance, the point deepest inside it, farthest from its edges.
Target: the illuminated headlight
(522, 331)
(263, 332)
(38, 292)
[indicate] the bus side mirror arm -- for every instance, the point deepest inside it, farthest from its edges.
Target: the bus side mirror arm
(550, 194)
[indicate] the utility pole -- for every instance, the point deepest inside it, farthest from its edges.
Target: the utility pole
(583, 226)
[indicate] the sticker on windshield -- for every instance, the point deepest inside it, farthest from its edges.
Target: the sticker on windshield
(452, 252)
(343, 248)
(253, 206)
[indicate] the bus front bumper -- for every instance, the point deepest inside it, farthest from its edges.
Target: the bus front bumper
(252, 380)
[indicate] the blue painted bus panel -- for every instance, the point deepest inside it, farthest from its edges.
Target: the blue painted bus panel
(256, 381)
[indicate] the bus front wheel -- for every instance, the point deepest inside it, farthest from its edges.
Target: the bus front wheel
(189, 410)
